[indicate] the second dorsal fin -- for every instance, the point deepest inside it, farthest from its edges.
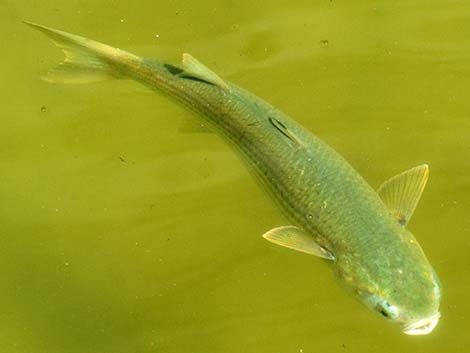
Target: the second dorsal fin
(194, 68)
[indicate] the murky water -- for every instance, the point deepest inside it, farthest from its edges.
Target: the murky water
(122, 232)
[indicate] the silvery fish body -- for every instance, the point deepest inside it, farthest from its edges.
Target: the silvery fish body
(335, 214)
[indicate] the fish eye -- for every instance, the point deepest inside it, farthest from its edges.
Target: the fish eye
(386, 310)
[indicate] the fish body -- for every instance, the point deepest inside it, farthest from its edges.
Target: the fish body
(335, 212)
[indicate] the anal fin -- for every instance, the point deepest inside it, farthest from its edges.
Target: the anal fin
(70, 72)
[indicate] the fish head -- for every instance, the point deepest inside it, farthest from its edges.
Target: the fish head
(401, 287)
(416, 310)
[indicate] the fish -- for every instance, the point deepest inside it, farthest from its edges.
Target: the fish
(333, 212)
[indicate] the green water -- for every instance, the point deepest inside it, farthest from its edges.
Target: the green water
(124, 233)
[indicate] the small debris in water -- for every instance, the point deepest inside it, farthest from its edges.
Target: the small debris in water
(122, 159)
(43, 109)
(325, 42)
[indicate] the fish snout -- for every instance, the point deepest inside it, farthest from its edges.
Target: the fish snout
(423, 326)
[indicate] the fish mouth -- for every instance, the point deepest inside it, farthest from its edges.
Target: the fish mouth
(423, 326)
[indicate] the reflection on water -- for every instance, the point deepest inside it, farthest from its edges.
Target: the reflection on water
(121, 233)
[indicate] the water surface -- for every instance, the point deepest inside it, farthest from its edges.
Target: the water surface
(123, 232)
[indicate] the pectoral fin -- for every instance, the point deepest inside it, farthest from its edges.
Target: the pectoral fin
(194, 68)
(294, 238)
(401, 193)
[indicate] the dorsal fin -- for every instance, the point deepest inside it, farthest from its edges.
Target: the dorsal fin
(194, 68)
(285, 131)
(402, 192)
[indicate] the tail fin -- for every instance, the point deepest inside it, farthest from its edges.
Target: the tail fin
(85, 60)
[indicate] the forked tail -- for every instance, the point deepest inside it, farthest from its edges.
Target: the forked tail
(85, 60)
